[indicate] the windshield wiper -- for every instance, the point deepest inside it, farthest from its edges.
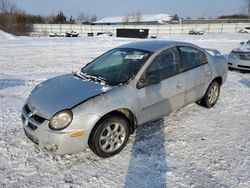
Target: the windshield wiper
(101, 79)
(94, 78)
(80, 75)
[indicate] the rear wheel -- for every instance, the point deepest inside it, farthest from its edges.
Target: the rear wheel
(211, 96)
(110, 136)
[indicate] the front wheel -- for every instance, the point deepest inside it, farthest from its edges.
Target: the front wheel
(211, 96)
(110, 136)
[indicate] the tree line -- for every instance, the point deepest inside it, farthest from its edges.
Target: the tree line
(18, 22)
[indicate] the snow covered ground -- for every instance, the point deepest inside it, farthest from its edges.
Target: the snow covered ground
(193, 147)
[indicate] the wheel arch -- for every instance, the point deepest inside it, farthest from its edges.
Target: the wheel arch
(218, 79)
(124, 112)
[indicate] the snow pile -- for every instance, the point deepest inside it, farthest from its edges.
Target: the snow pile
(160, 18)
(4, 35)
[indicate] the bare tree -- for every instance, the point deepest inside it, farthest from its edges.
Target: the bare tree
(81, 17)
(132, 18)
(138, 17)
(8, 6)
(93, 18)
(60, 18)
(15, 20)
(71, 20)
(4, 6)
(125, 19)
(86, 18)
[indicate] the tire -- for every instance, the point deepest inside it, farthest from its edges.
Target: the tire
(211, 96)
(109, 136)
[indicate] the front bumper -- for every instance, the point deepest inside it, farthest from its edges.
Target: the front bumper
(239, 64)
(70, 140)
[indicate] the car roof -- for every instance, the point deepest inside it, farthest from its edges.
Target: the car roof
(154, 45)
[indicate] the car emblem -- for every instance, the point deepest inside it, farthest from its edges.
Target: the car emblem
(26, 121)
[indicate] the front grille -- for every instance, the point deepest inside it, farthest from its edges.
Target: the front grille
(245, 56)
(36, 141)
(33, 127)
(30, 119)
(38, 118)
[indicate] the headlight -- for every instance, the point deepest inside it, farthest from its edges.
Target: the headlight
(61, 120)
(233, 55)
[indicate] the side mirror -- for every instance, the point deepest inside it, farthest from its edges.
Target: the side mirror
(242, 43)
(151, 80)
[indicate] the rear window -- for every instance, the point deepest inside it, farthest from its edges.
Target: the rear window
(191, 58)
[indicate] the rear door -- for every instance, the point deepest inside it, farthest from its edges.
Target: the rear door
(196, 72)
(167, 93)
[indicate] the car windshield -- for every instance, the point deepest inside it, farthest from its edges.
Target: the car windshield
(116, 66)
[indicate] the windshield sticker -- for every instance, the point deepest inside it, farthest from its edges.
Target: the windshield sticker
(134, 56)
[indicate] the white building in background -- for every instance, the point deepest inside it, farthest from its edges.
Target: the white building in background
(139, 19)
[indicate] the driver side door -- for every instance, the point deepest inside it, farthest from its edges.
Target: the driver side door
(161, 87)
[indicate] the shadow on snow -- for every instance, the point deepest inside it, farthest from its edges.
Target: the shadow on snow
(8, 83)
(246, 82)
(147, 166)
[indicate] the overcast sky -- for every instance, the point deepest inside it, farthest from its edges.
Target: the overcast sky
(106, 8)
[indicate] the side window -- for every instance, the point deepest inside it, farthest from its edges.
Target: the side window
(164, 65)
(192, 58)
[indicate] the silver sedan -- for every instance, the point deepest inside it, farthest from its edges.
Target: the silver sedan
(239, 58)
(103, 103)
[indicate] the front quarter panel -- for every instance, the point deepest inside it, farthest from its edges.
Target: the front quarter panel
(117, 98)
(219, 67)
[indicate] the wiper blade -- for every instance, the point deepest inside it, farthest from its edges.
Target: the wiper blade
(101, 79)
(80, 75)
(95, 78)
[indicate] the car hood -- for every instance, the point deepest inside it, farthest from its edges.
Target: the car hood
(243, 48)
(63, 92)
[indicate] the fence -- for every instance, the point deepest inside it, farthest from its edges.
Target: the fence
(154, 30)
